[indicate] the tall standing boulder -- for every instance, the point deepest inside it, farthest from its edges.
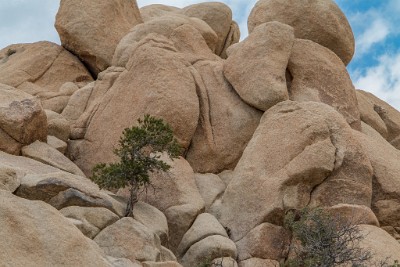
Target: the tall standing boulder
(226, 122)
(257, 67)
(92, 29)
(321, 21)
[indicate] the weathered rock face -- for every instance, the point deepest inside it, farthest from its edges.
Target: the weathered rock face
(92, 29)
(204, 225)
(268, 125)
(380, 244)
(178, 197)
(34, 229)
(157, 82)
(41, 66)
(319, 75)
(226, 123)
(164, 25)
(257, 67)
(48, 155)
(57, 125)
(301, 154)
(389, 115)
(61, 189)
(368, 114)
(219, 17)
(89, 220)
(386, 181)
(22, 120)
(129, 239)
(321, 21)
(10, 178)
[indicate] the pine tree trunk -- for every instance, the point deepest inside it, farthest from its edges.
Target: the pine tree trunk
(133, 199)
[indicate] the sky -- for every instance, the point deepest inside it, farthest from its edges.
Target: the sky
(374, 68)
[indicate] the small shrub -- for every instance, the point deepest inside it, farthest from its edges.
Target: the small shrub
(324, 241)
(139, 152)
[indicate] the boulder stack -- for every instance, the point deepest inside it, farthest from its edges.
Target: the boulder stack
(269, 125)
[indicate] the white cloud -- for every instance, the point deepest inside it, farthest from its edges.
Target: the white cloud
(383, 80)
(375, 33)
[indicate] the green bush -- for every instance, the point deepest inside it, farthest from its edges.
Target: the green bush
(139, 153)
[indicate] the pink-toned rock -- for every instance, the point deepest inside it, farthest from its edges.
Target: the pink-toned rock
(386, 183)
(301, 154)
(92, 29)
(214, 246)
(57, 125)
(226, 122)
(127, 238)
(41, 66)
(47, 154)
(369, 115)
(389, 115)
(22, 120)
(218, 16)
(319, 75)
(90, 220)
(321, 21)
(31, 234)
(266, 241)
(157, 82)
(182, 207)
(354, 214)
(382, 246)
(257, 67)
(157, 10)
(164, 26)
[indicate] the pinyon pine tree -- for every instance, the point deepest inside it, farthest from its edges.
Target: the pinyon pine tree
(139, 150)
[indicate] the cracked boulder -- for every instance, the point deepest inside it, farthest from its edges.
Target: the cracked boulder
(164, 26)
(226, 122)
(319, 75)
(40, 67)
(158, 82)
(302, 153)
(320, 21)
(22, 120)
(92, 29)
(87, 99)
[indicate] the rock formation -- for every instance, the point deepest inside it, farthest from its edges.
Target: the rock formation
(269, 124)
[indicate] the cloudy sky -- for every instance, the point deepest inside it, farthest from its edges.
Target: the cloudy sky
(375, 66)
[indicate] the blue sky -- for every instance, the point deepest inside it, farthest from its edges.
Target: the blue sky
(375, 66)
